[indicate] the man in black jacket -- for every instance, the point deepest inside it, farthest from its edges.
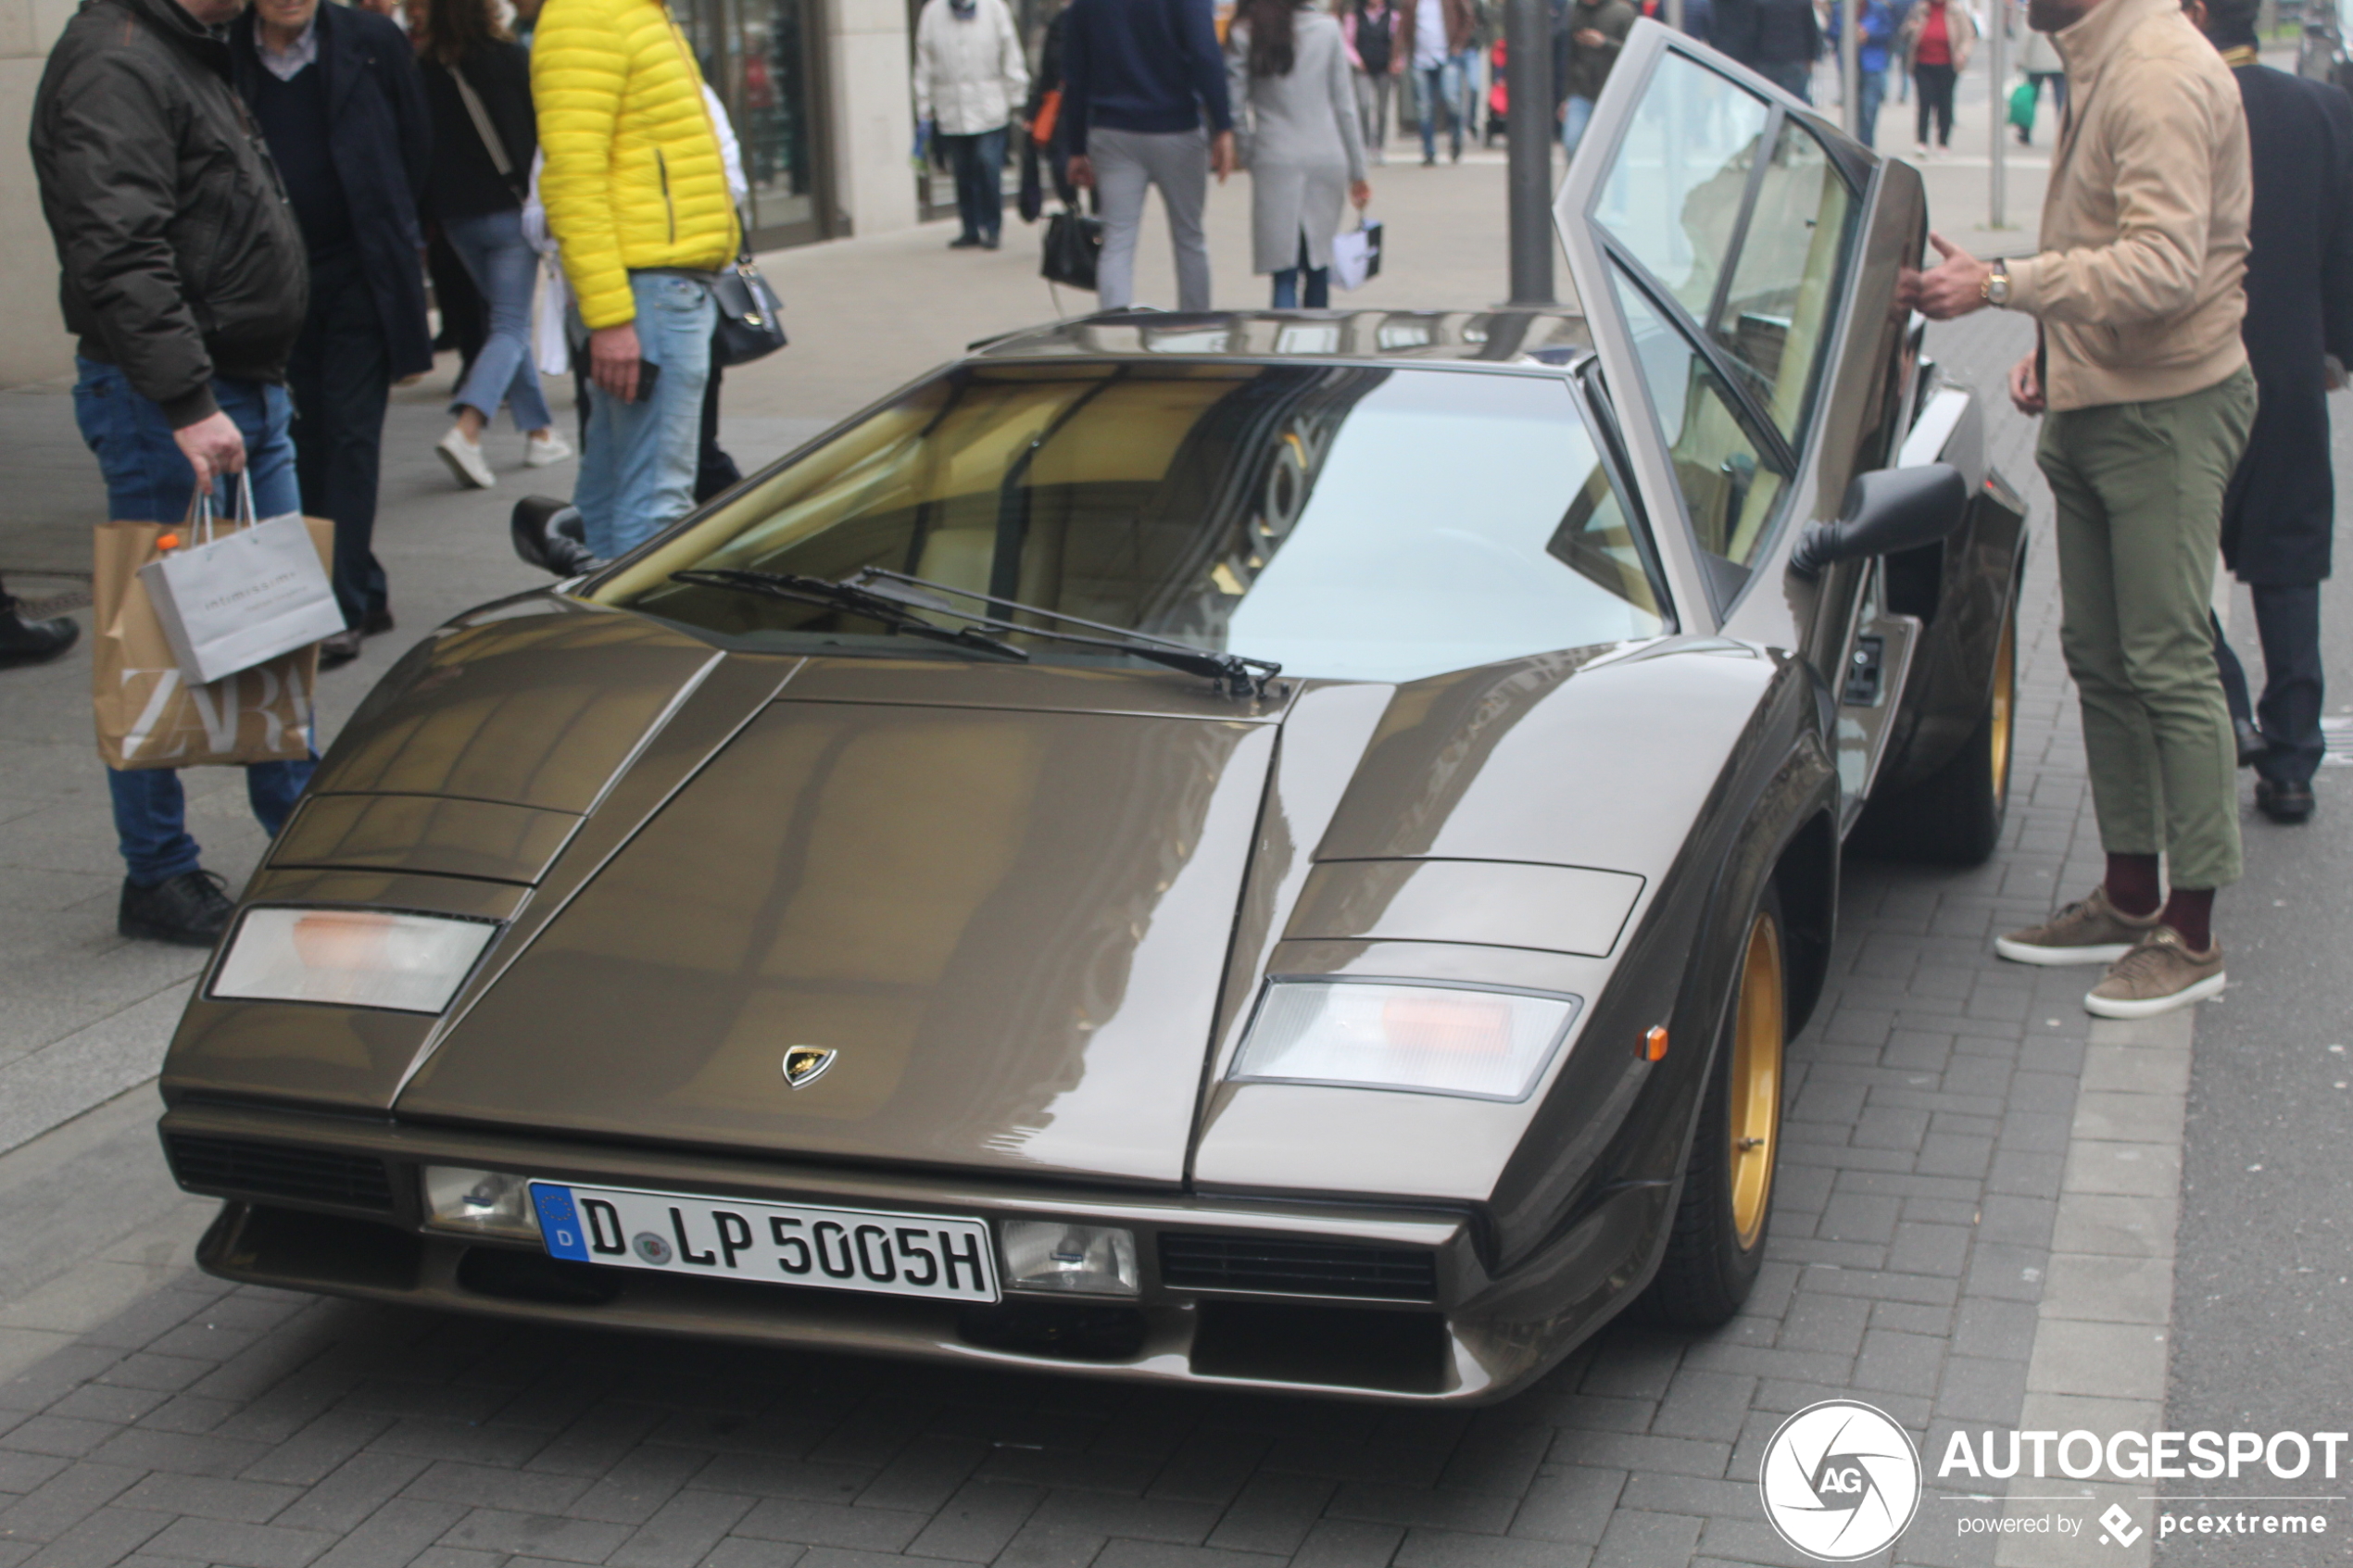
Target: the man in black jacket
(2280, 512)
(1779, 40)
(342, 105)
(183, 281)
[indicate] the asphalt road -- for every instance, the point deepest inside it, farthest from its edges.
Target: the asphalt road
(2263, 1286)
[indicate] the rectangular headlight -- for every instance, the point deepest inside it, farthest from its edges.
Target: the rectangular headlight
(355, 958)
(1384, 1034)
(483, 1202)
(1050, 1255)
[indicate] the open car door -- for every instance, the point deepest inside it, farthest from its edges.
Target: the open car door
(1737, 256)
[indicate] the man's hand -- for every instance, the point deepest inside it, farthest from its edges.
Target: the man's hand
(1081, 171)
(1955, 286)
(212, 447)
(613, 354)
(1360, 193)
(1589, 37)
(2026, 387)
(1222, 159)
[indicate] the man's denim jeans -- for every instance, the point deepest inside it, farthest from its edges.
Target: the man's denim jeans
(637, 467)
(149, 480)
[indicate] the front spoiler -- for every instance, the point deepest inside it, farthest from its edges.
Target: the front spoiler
(1481, 1340)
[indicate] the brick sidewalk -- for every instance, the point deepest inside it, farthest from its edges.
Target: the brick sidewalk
(1933, 1098)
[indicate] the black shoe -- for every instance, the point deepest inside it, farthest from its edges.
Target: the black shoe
(2284, 802)
(378, 622)
(339, 649)
(2251, 743)
(1429, 161)
(33, 642)
(191, 910)
(964, 242)
(990, 242)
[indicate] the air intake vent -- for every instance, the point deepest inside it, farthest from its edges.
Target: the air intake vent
(1279, 1266)
(268, 1170)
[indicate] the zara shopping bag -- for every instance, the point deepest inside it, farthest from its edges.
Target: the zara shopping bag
(147, 714)
(231, 597)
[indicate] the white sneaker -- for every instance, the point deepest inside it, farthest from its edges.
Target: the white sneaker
(465, 459)
(544, 451)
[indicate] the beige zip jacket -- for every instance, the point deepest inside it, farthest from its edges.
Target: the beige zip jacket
(2139, 289)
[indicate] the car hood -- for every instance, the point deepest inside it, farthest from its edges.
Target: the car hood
(1008, 922)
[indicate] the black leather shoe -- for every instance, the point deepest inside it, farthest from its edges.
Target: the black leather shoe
(191, 910)
(379, 622)
(33, 642)
(339, 649)
(2251, 742)
(2284, 802)
(965, 242)
(990, 242)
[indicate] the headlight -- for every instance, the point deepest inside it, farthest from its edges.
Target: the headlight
(486, 1202)
(357, 957)
(1049, 1255)
(1380, 1035)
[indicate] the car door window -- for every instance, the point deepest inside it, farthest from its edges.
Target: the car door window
(1733, 481)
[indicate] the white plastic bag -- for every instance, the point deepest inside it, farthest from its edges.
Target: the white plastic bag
(229, 599)
(1356, 254)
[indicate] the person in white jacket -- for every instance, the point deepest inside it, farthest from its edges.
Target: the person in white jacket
(969, 74)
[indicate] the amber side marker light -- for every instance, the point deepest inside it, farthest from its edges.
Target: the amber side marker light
(1654, 1044)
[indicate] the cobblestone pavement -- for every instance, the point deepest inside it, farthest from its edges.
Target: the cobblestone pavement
(1932, 1102)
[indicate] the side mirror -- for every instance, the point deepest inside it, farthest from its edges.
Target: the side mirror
(1886, 509)
(550, 534)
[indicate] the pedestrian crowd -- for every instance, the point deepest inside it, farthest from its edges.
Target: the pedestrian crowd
(245, 202)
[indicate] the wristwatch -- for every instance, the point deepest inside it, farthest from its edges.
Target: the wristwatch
(1995, 289)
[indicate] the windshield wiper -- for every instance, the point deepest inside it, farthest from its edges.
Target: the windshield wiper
(892, 612)
(1235, 675)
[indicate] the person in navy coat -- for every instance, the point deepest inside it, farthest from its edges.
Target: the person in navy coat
(2280, 513)
(342, 105)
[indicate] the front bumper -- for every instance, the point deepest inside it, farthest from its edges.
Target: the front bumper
(331, 1204)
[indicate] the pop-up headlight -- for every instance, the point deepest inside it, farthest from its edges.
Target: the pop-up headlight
(1379, 1035)
(355, 958)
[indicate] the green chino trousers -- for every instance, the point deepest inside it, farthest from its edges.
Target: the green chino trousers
(2139, 487)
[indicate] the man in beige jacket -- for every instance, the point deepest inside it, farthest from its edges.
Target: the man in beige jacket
(2148, 400)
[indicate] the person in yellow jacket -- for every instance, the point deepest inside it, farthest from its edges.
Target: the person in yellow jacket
(636, 197)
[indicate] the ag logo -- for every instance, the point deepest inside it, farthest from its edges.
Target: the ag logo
(1841, 1481)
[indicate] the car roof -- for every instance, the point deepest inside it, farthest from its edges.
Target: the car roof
(1518, 337)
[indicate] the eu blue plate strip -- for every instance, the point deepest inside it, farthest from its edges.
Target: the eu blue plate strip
(560, 1222)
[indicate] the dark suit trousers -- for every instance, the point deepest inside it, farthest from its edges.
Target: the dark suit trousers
(2288, 620)
(340, 374)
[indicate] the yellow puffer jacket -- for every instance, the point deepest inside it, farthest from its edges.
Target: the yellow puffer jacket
(634, 177)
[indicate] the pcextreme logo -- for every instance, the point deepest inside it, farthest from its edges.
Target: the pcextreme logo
(1841, 1480)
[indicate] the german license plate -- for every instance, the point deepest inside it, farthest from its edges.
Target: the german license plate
(726, 1238)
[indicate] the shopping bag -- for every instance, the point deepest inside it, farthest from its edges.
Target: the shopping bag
(2022, 98)
(235, 596)
(1356, 254)
(147, 714)
(1072, 242)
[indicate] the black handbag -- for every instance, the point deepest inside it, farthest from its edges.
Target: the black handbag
(1072, 242)
(752, 320)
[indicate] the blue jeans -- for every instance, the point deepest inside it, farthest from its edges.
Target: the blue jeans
(1319, 283)
(979, 162)
(1870, 91)
(504, 269)
(1439, 91)
(637, 465)
(1576, 114)
(148, 480)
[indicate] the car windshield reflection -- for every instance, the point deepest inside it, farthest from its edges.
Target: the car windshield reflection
(1346, 522)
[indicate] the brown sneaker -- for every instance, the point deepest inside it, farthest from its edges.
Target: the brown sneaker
(2091, 931)
(2160, 974)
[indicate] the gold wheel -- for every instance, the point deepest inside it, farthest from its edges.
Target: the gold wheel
(2004, 712)
(1755, 1125)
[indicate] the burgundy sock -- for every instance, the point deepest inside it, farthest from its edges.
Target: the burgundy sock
(2191, 911)
(2131, 884)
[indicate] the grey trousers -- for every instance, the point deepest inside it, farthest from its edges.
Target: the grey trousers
(1127, 163)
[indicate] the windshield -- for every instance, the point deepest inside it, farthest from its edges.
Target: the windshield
(1359, 523)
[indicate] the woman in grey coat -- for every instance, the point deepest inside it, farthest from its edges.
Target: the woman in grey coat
(1295, 108)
